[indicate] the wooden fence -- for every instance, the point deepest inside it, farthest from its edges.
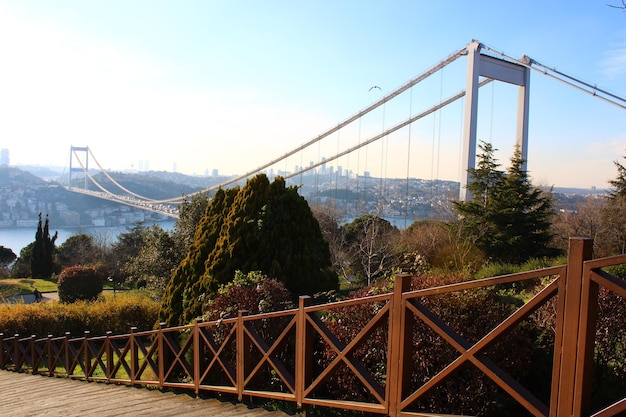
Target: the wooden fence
(300, 356)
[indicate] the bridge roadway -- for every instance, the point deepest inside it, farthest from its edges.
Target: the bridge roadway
(35, 395)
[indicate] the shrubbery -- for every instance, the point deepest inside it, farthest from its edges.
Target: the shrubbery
(78, 283)
(116, 315)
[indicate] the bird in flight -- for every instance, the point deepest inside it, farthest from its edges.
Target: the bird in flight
(373, 87)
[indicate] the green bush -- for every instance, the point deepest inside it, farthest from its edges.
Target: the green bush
(79, 283)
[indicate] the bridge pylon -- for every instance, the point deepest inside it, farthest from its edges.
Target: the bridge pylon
(478, 65)
(84, 168)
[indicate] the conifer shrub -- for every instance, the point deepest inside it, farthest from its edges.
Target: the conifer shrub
(263, 226)
(78, 283)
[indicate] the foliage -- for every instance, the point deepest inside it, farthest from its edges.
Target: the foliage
(508, 217)
(53, 318)
(78, 250)
(369, 241)
(155, 262)
(602, 219)
(191, 211)
(176, 296)
(618, 185)
(438, 245)
(125, 249)
(495, 269)
(263, 226)
(472, 314)
(21, 267)
(79, 283)
(7, 256)
(614, 220)
(42, 261)
(252, 292)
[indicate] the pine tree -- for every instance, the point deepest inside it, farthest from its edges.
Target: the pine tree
(618, 185)
(260, 227)
(508, 217)
(526, 213)
(42, 261)
(479, 214)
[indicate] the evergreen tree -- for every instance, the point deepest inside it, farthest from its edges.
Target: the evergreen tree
(508, 217)
(478, 215)
(525, 216)
(618, 185)
(42, 261)
(614, 213)
(264, 227)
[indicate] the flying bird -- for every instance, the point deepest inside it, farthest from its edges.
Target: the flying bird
(373, 87)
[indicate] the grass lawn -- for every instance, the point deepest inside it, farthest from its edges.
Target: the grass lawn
(19, 286)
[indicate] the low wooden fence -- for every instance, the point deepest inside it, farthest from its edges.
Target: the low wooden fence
(298, 355)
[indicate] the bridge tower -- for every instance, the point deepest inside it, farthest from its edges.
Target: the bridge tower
(84, 168)
(479, 65)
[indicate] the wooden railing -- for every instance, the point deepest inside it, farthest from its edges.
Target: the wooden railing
(298, 355)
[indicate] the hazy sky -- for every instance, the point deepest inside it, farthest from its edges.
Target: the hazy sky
(228, 85)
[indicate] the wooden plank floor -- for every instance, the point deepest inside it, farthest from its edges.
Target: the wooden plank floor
(35, 395)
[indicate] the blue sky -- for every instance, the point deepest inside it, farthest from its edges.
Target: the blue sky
(228, 85)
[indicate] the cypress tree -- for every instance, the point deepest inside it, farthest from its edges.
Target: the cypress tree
(42, 261)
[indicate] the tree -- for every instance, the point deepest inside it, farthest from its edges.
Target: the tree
(371, 246)
(508, 217)
(191, 212)
(618, 185)
(42, 261)
(21, 267)
(176, 297)
(158, 256)
(126, 248)
(614, 214)
(78, 250)
(525, 216)
(7, 256)
(263, 226)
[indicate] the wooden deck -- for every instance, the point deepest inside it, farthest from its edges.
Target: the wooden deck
(34, 395)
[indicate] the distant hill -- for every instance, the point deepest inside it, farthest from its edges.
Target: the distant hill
(147, 186)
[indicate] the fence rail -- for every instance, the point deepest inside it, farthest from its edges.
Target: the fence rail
(298, 355)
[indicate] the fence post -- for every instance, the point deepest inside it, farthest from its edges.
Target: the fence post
(304, 351)
(586, 344)
(66, 351)
(566, 352)
(17, 361)
(134, 356)
(197, 355)
(33, 354)
(50, 356)
(109, 354)
(242, 357)
(400, 326)
(161, 356)
(87, 355)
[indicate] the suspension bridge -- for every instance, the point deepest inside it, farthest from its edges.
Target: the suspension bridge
(353, 157)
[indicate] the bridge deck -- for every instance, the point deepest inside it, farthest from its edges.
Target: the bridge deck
(33, 395)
